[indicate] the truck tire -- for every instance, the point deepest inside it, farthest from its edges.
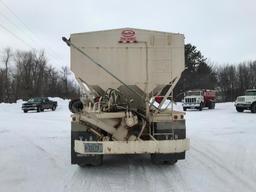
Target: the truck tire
(200, 108)
(39, 109)
(75, 105)
(160, 159)
(53, 108)
(25, 111)
(184, 109)
(211, 105)
(95, 160)
(253, 108)
(239, 109)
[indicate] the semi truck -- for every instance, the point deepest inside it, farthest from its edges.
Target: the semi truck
(121, 72)
(198, 99)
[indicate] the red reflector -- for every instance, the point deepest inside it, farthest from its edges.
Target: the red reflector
(128, 41)
(96, 99)
(159, 99)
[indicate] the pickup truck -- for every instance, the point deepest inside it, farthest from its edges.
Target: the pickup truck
(39, 104)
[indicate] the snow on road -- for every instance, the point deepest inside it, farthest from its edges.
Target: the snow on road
(35, 156)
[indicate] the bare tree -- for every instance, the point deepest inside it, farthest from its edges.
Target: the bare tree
(7, 54)
(64, 77)
(233, 80)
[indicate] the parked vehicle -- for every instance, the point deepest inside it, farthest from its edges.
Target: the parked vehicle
(39, 104)
(246, 102)
(121, 73)
(198, 99)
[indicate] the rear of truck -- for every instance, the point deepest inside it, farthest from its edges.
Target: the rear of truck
(210, 98)
(121, 72)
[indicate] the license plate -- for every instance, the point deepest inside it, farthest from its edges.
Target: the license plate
(93, 148)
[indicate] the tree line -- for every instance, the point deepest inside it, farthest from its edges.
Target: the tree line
(229, 80)
(233, 80)
(26, 74)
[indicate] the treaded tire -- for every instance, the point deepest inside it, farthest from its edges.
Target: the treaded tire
(239, 109)
(201, 107)
(253, 108)
(163, 159)
(53, 108)
(75, 105)
(96, 160)
(211, 105)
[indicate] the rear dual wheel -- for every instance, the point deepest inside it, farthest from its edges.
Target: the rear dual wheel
(160, 159)
(91, 160)
(200, 107)
(253, 108)
(211, 106)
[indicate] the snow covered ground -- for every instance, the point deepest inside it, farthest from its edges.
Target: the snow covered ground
(35, 156)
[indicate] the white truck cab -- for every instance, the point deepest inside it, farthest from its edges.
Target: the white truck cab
(247, 101)
(193, 100)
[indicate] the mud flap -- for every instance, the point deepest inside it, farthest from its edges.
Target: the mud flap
(79, 132)
(178, 130)
(167, 158)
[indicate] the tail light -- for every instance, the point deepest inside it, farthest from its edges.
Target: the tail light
(96, 99)
(159, 99)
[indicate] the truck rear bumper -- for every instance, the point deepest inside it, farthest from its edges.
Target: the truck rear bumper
(131, 147)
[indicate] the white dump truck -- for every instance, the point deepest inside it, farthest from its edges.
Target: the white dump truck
(198, 99)
(120, 73)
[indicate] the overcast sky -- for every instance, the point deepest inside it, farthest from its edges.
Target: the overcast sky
(223, 30)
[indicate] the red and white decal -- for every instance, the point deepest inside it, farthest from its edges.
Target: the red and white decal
(128, 36)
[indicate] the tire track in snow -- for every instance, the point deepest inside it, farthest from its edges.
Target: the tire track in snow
(175, 175)
(88, 178)
(215, 155)
(41, 149)
(231, 173)
(125, 174)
